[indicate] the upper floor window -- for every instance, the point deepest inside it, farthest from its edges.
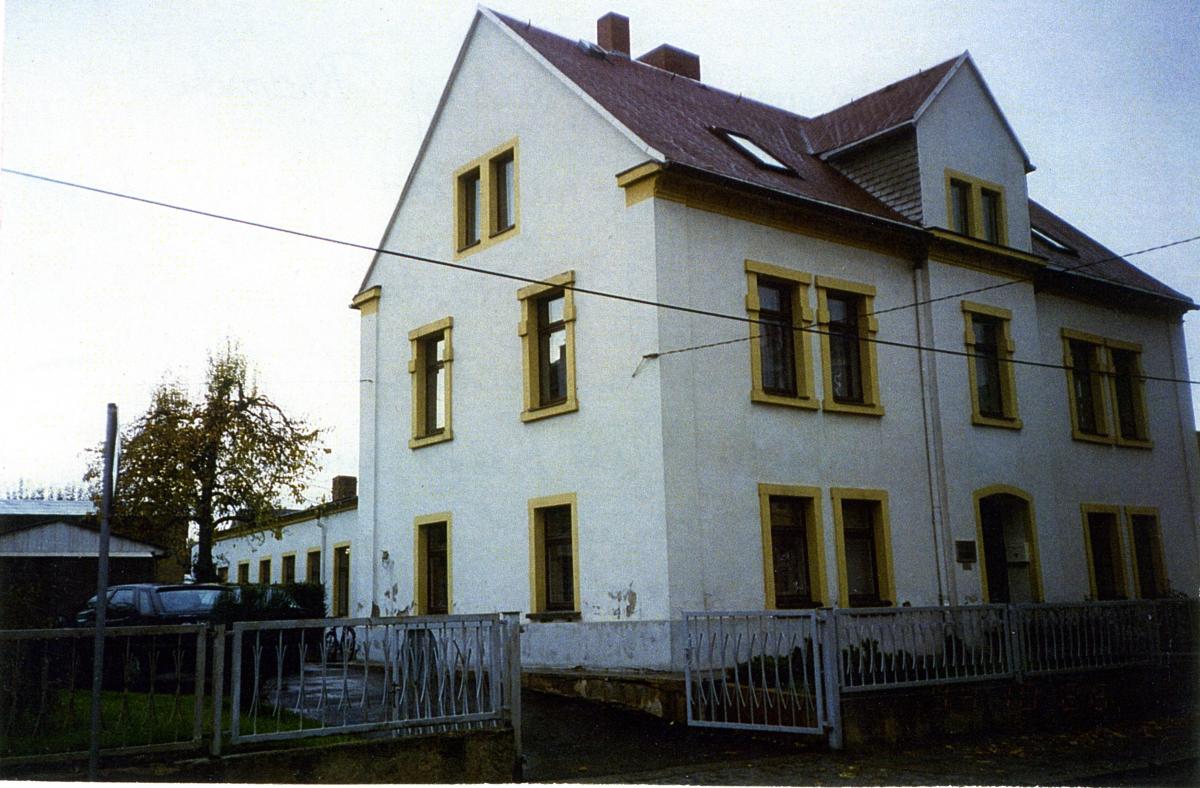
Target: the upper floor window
(486, 200)
(992, 380)
(847, 327)
(975, 208)
(430, 369)
(547, 330)
(1105, 383)
(780, 360)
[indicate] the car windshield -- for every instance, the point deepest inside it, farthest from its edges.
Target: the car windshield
(188, 600)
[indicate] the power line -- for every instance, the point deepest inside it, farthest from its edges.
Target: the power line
(574, 288)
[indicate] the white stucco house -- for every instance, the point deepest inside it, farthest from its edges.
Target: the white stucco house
(311, 545)
(702, 353)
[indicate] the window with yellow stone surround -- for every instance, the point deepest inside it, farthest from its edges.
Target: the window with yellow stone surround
(989, 369)
(975, 208)
(781, 370)
(849, 370)
(487, 200)
(793, 546)
(547, 331)
(430, 370)
(1105, 390)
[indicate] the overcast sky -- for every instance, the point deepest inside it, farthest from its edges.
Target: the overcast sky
(309, 115)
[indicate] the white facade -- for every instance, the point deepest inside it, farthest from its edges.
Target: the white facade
(665, 456)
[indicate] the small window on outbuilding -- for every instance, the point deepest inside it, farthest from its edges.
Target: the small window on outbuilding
(753, 151)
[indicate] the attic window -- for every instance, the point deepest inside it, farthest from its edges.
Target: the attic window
(1051, 241)
(755, 152)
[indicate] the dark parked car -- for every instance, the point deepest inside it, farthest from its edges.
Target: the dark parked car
(144, 604)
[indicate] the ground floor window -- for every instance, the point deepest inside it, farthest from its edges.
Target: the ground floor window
(433, 565)
(792, 546)
(554, 554)
(287, 568)
(865, 575)
(264, 571)
(243, 576)
(1102, 542)
(1150, 578)
(312, 569)
(341, 580)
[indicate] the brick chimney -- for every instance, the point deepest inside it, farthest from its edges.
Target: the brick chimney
(612, 33)
(344, 487)
(673, 59)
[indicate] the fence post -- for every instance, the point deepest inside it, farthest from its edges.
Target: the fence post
(200, 674)
(833, 678)
(512, 621)
(1015, 619)
(218, 686)
(235, 693)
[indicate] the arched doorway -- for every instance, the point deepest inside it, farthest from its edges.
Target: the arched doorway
(1007, 534)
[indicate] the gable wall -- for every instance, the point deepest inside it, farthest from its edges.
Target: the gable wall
(961, 130)
(572, 217)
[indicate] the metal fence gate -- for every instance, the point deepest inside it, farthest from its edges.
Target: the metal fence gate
(758, 670)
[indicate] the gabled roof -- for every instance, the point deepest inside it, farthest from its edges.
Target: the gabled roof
(677, 117)
(888, 108)
(1092, 259)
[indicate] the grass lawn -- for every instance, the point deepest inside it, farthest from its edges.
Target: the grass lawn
(127, 719)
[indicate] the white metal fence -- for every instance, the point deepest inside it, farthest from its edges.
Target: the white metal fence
(292, 679)
(178, 687)
(786, 671)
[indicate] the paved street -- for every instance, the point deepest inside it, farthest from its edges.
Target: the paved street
(576, 741)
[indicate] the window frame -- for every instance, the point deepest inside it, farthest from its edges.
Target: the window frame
(802, 316)
(335, 596)
(881, 523)
(243, 573)
(1141, 422)
(537, 558)
(1005, 348)
(530, 298)
(222, 574)
(421, 561)
(487, 209)
(975, 187)
(1104, 391)
(284, 561)
(1158, 558)
(868, 327)
(418, 370)
(1117, 551)
(308, 563)
(814, 538)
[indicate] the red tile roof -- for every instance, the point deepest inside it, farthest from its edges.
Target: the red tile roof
(677, 117)
(875, 112)
(1092, 258)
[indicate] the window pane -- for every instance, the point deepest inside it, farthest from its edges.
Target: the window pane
(776, 338)
(845, 353)
(1102, 530)
(1145, 552)
(436, 577)
(503, 183)
(559, 577)
(433, 351)
(987, 366)
(960, 207)
(858, 533)
(288, 569)
(990, 201)
(789, 553)
(469, 194)
(1125, 382)
(313, 571)
(1083, 379)
(552, 351)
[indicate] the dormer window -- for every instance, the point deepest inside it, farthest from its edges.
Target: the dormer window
(1051, 241)
(753, 151)
(975, 208)
(486, 200)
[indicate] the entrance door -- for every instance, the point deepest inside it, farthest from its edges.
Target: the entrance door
(1008, 561)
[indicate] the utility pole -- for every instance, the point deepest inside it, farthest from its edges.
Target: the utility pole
(106, 493)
